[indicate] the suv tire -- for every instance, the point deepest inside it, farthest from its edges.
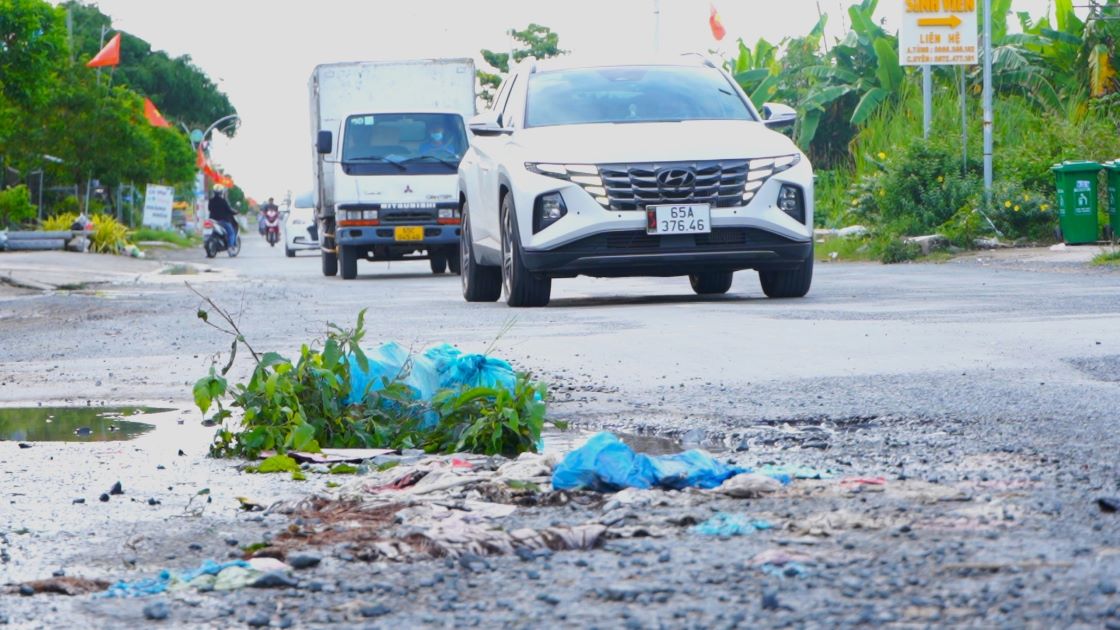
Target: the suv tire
(480, 283)
(788, 284)
(711, 282)
(522, 287)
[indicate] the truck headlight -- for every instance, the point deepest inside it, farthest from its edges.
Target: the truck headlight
(792, 202)
(548, 209)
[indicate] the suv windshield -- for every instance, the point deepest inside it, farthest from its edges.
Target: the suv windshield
(394, 143)
(631, 94)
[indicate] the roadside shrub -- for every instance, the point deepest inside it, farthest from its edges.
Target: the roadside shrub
(58, 222)
(1022, 213)
(16, 206)
(68, 205)
(896, 250)
(914, 192)
(299, 406)
(964, 227)
(109, 235)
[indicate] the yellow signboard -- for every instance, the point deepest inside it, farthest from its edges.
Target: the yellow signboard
(938, 33)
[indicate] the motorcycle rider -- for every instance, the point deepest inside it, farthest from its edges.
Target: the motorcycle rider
(221, 212)
(264, 210)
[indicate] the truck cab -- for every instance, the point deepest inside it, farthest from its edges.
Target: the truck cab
(395, 188)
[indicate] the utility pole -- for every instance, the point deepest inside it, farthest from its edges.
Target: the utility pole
(988, 118)
(927, 100)
(656, 26)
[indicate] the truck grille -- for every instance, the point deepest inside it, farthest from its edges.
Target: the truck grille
(407, 216)
(720, 183)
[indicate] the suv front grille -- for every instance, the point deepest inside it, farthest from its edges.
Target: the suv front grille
(634, 186)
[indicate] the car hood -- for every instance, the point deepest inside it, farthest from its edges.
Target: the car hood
(652, 142)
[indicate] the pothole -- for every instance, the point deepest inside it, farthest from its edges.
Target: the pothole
(74, 424)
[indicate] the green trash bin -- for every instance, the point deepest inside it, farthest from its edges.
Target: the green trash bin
(1112, 169)
(1077, 201)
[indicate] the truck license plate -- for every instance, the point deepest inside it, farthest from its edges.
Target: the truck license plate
(679, 219)
(408, 233)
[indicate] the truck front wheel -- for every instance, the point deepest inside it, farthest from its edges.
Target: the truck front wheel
(348, 257)
(329, 258)
(438, 261)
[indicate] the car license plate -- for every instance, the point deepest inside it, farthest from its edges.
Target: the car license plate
(408, 233)
(683, 218)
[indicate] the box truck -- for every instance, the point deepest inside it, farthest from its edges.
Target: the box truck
(387, 138)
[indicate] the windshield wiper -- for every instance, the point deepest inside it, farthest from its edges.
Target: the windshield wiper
(376, 158)
(431, 157)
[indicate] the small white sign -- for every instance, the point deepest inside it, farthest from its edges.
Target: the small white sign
(938, 33)
(157, 206)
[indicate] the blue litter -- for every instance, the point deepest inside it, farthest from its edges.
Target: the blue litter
(793, 472)
(437, 368)
(154, 586)
(606, 464)
(724, 524)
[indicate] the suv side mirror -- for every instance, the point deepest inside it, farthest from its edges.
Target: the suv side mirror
(324, 142)
(777, 115)
(487, 124)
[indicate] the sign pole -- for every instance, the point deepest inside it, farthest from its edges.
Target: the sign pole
(988, 118)
(927, 100)
(656, 26)
(964, 123)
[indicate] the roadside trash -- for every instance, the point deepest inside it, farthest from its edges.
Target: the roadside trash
(863, 481)
(334, 455)
(64, 586)
(724, 524)
(439, 367)
(828, 523)
(159, 584)
(787, 473)
(778, 557)
(606, 464)
(1109, 504)
(749, 486)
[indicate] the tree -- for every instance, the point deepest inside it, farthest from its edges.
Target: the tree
(32, 49)
(179, 88)
(535, 41)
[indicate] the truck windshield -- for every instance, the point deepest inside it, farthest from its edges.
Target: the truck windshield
(395, 143)
(631, 94)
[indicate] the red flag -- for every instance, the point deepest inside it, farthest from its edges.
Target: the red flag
(153, 115)
(716, 23)
(110, 55)
(201, 161)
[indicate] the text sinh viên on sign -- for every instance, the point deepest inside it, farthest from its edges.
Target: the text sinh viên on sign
(936, 6)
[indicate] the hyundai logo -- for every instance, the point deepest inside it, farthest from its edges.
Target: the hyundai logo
(676, 182)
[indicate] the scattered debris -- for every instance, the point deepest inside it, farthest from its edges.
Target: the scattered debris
(1109, 504)
(749, 486)
(724, 524)
(64, 586)
(606, 464)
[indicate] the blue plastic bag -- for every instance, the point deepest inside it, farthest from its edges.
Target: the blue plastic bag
(437, 368)
(606, 464)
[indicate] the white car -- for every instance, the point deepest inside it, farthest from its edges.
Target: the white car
(651, 169)
(299, 230)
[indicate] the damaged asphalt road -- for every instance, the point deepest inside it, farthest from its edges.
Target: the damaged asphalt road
(965, 413)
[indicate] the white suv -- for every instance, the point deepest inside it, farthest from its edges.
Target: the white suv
(653, 169)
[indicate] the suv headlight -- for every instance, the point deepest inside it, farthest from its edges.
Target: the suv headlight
(586, 176)
(548, 209)
(762, 169)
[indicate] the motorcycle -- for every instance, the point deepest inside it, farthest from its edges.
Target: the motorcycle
(214, 240)
(272, 226)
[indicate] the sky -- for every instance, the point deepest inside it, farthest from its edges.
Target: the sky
(261, 52)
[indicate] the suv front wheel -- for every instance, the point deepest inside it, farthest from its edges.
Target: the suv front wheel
(794, 283)
(711, 282)
(523, 287)
(480, 284)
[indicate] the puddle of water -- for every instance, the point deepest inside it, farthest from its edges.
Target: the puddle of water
(565, 441)
(74, 424)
